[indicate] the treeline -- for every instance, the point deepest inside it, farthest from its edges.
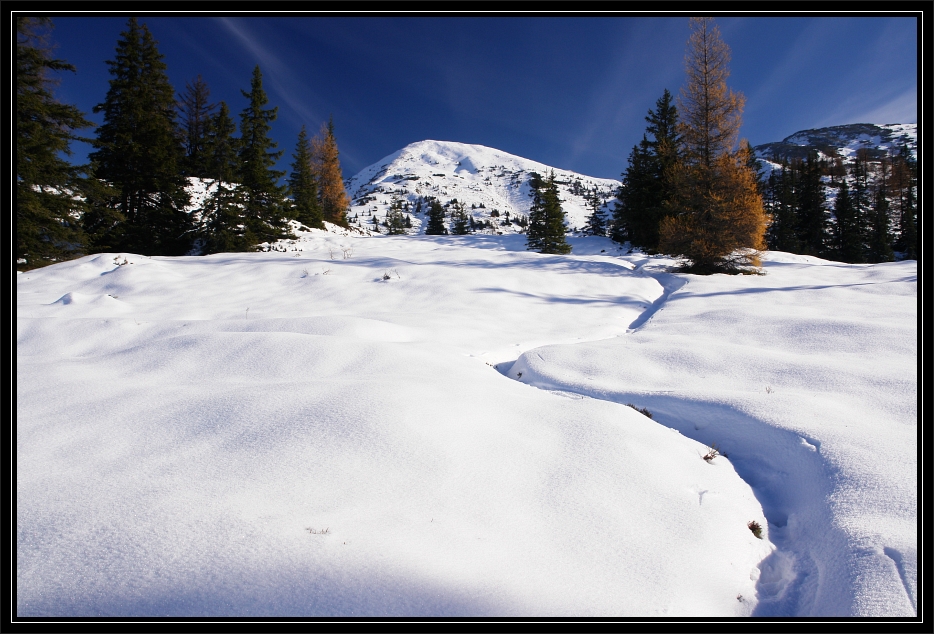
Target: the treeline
(685, 192)
(135, 193)
(873, 213)
(450, 218)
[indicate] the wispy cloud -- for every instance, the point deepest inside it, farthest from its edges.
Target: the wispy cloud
(627, 94)
(276, 74)
(887, 108)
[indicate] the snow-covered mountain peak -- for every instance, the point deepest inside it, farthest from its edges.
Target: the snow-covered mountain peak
(492, 185)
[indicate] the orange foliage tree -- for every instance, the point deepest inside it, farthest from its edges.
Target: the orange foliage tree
(327, 170)
(716, 222)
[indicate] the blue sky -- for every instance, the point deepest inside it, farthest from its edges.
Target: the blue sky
(571, 92)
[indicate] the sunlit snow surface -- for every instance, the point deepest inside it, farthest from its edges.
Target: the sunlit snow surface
(323, 432)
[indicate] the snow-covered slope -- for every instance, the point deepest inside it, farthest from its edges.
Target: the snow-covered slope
(841, 141)
(342, 430)
(485, 180)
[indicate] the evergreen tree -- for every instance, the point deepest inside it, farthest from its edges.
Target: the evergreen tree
(435, 220)
(222, 214)
(305, 205)
(459, 216)
(905, 179)
(534, 239)
(783, 195)
(596, 221)
(196, 114)
(263, 195)
(395, 218)
(717, 222)
(221, 148)
(848, 244)
(47, 218)
(862, 196)
(646, 182)
(327, 170)
(628, 220)
(546, 226)
(223, 228)
(790, 205)
(664, 144)
(811, 225)
(139, 150)
(103, 224)
(879, 243)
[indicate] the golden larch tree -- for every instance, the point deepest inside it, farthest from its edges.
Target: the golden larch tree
(717, 221)
(327, 170)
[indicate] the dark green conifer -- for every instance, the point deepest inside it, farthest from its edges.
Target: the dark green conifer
(139, 149)
(306, 208)
(848, 244)
(221, 148)
(596, 221)
(646, 181)
(546, 219)
(196, 111)
(879, 243)
(263, 195)
(905, 180)
(103, 224)
(534, 239)
(629, 221)
(811, 222)
(459, 216)
(395, 218)
(48, 228)
(222, 213)
(862, 196)
(783, 185)
(435, 220)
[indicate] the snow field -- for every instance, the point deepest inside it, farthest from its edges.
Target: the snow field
(183, 422)
(807, 378)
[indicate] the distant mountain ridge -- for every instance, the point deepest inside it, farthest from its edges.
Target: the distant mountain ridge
(843, 141)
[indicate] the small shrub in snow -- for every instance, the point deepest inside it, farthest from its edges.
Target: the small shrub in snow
(755, 528)
(323, 531)
(712, 452)
(642, 410)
